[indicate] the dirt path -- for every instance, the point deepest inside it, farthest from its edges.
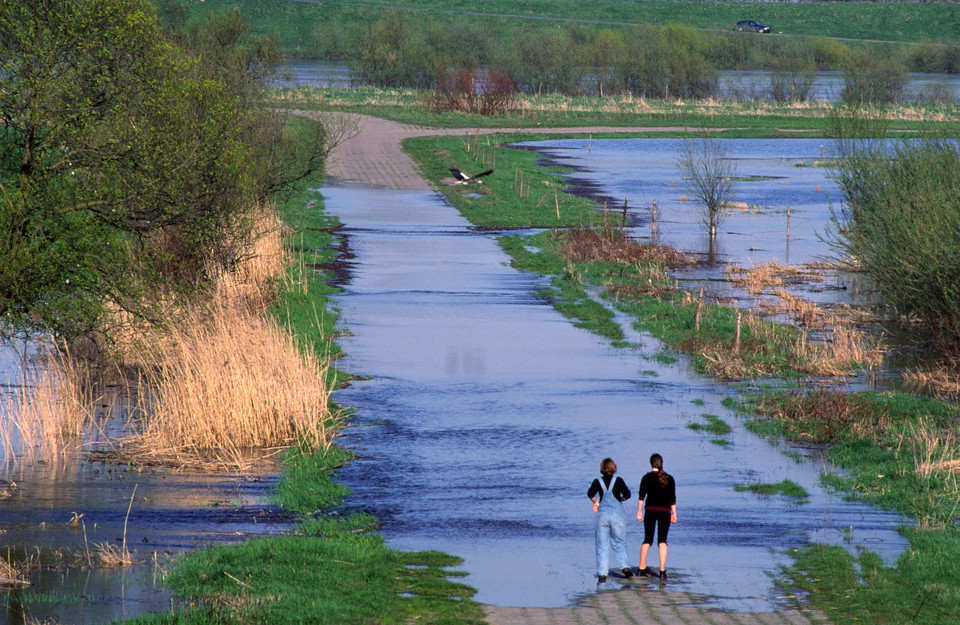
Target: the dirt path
(373, 156)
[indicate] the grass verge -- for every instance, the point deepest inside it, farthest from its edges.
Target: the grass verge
(730, 118)
(894, 450)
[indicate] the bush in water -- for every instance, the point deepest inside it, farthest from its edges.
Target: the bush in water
(901, 221)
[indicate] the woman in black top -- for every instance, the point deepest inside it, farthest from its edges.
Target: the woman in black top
(660, 492)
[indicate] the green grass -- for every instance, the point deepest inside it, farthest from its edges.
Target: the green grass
(332, 28)
(499, 203)
(881, 441)
(728, 119)
(713, 425)
(786, 488)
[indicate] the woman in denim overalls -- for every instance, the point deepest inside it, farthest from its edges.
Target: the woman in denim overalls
(607, 492)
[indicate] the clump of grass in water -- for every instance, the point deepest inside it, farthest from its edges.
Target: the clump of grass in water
(787, 488)
(713, 425)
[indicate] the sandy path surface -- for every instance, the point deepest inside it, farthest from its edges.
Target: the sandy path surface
(373, 156)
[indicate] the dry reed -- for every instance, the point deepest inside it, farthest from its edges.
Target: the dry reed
(211, 379)
(769, 274)
(48, 413)
(226, 379)
(805, 313)
(942, 381)
(10, 575)
(611, 245)
(111, 556)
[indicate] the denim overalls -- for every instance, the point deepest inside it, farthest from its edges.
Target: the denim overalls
(611, 530)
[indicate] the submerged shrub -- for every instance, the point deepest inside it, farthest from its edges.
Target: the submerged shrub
(901, 222)
(875, 80)
(669, 62)
(792, 73)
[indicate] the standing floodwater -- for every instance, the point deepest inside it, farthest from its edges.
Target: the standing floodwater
(487, 413)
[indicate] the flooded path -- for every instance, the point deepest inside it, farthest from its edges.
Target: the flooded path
(487, 413)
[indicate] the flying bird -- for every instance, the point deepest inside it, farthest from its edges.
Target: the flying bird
(462, 178)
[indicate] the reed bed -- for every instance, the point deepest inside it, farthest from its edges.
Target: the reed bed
(227, 379)
(769, 274)
(941, 381)
(805, 313)
(212, 379)
(10, 575)
(45, 417)
(612, 245)
(112, 556)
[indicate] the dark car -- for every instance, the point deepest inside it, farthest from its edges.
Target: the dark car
(751, 25)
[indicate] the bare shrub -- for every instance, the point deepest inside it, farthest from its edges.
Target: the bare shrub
(467, 91)
(611, 245)
(709, 176)
(828, 416)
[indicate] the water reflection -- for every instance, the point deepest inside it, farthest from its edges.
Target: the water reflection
(733, 84)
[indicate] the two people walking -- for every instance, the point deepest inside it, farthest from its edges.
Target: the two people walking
(658, 491)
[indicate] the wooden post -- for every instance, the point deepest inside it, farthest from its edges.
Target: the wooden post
(528, 190)
(623, 222)
(736, 342)
(542, 199)
(589, 143)
(788, 222)
(556, 200)
(696, 316)
(653, 223)
(516, 172)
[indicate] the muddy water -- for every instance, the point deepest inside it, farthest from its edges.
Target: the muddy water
(486, 416)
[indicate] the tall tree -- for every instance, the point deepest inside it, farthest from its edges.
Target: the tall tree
(127, 166)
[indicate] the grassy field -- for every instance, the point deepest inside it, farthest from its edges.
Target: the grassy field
(305, 27)
(736, 119)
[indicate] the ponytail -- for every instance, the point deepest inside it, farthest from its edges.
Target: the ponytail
(656, 461)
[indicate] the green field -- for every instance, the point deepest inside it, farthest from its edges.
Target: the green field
(306, 28)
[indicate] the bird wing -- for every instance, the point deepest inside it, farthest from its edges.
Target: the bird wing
(482, 174)
(459, 175)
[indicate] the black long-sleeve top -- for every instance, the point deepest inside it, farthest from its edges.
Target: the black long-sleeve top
(657, 497)
(619, 490)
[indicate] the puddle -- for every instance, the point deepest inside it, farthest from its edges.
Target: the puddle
(487, 415)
